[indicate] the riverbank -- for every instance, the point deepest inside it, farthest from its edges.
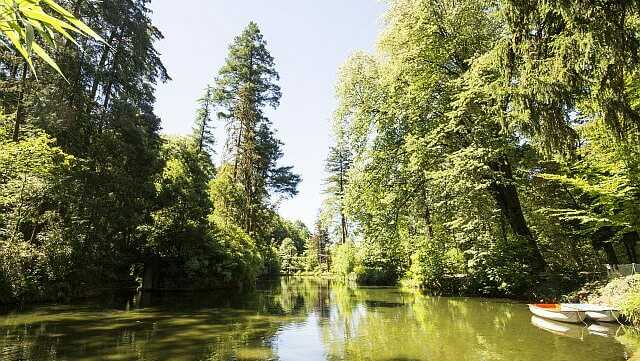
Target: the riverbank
(622, 293)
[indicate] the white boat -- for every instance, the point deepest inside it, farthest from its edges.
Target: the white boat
(558, 312)
(598, 313)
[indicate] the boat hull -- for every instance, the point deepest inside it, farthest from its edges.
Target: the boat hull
(559, 313)
(604, 316)
(598, 313)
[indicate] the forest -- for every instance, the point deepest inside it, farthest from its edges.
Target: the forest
(485, 147)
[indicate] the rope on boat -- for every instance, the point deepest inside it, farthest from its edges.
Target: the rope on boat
(577, 311)
(613, 313)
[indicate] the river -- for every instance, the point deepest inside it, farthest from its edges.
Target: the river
(299, 319)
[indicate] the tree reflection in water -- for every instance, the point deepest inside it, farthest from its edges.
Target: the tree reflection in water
(294, 319)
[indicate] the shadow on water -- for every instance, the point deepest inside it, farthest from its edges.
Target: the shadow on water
(296, 319)
(374, 304)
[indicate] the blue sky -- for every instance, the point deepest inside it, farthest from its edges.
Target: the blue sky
(309, 40)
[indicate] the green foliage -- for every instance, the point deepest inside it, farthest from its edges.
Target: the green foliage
(238, 259)
(428, 266)
(600, 183)
(92, 196)
(35, 271)
(498, 270)
(479, 145)
(227, 198)
(182, 201)
(22, 20)
(485, 145)
(288, 257)
(345, 260)
(36, 255)
(376, 265)
(312, 255)
(226, 195)
(631, 307)
(425, 165)
(563, 52)
(337, 166)
(317, 249)
(198, 245)
(296, 231)
(203, 127)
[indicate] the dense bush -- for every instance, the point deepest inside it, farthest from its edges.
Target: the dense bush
(35, 254)
(631, 306)
(238, 258)
(379, 265)
(288, 255)
(37, 269)
(499, 270)
(345, 261)
(428, 266)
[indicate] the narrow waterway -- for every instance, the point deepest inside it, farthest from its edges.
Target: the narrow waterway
(301, 319)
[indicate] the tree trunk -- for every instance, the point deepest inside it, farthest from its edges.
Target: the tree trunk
(630, 240)
(20, 113)
(238, 152)
(150, 275)
(103, 59)
(427, 214)
(600, 241)
(506, 196)
(343, 223)
(612, 258)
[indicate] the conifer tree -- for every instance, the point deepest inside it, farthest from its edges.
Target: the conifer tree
(203, 128)
(245, 86)
(337, 165)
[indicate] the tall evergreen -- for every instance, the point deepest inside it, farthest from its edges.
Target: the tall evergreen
(337, 165)
(245, 86)
(203, 127)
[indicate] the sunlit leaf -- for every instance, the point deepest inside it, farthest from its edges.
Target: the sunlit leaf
(23, 21)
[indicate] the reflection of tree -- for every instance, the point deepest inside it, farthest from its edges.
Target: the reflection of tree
(179, 327)
(298, 295)
(386, 324)
(354, 323)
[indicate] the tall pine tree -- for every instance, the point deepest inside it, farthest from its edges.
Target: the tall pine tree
(337, 165)
(203, 128)
(245, 86)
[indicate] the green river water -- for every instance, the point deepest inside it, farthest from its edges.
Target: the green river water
(302, 319)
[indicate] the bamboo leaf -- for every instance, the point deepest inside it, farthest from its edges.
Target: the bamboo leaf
(73, 20)
(48, 19)
(43, 54)
(14, 37)
(21, 20)
(29, 36)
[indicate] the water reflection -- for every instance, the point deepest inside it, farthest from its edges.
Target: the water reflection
(560, 328)
(298, 319)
